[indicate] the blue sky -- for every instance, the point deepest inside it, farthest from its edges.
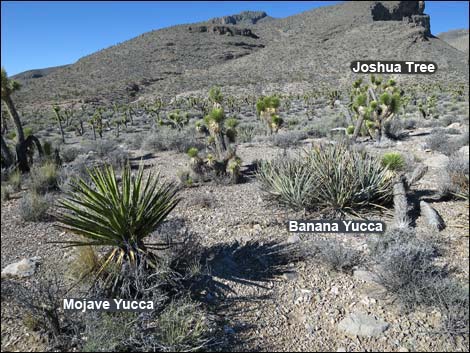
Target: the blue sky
(37, 34)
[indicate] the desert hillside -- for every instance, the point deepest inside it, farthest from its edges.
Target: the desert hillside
(253, 52)
(458, 38)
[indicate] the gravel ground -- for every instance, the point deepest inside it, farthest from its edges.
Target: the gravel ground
(294, 309)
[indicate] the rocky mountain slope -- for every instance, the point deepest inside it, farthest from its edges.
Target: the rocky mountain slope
(253, 53)
(458, 38)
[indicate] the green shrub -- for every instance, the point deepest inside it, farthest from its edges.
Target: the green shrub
(118, 216)
(331, 177)
(393, 161)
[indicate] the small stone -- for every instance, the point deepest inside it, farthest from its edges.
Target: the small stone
(341, 349)
(360, 324)
(365, 276)
(464, 150)
(456, 126)
(293, 239)
(228, 330)
(20, 269)
(290, 276)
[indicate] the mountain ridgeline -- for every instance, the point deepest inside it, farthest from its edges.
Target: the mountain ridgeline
(252, 53)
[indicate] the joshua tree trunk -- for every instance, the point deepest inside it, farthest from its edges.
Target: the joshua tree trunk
(22, 152)
(358, 127)
(15, 117)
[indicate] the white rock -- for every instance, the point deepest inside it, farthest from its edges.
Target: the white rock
(464, 150)
(360, 324)
(437, 161)
(454, 126)
(21, 269)
(293, 239)
(365, 276)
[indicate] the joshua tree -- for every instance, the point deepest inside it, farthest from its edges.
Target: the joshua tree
(216, 97)
(24, 146)
(267, 108)
(60, 120)
(155, 108)
(96, 122)
(333, 96)
(178, 119)
(428, 107)
(221, 158)
(376, 103)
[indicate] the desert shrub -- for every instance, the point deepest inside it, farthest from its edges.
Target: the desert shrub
(85, 262)
(7, 190)
(175, 324)
(109, 332)
(405, 269)
(440, 141)
(393, 161)
(76, 170)
(456, 177)
(182, 326)
(14, 180)
(405, 266)
(41, 303)
(247, 132)
(337, 256)
(101, 147)
(118, 158)
(331, 177)
(323, 127)
(395, 129)
(448, 119)
(33, 206)
(169, 139)
(132, 142)
(44, 177)
(452, 299)
(69, 154)
(409, 124)
(187, 178)
(288, 139)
